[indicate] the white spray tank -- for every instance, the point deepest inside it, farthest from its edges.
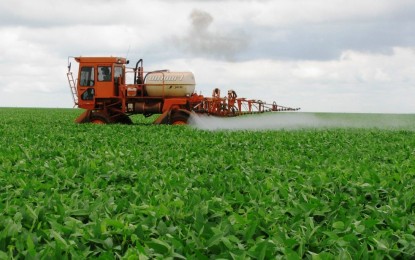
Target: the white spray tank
(169, 84)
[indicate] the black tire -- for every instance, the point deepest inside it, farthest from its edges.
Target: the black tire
(123, 119)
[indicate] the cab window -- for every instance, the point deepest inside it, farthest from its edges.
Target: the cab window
(87, 76)
(88, 94)
(104, 73)
(117, 73)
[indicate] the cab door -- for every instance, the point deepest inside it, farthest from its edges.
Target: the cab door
(86, 87)
(118, 79)
(104, 87)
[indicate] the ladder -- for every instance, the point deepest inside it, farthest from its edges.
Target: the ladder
(72, 86)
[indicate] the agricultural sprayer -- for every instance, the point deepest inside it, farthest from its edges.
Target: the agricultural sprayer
(102, 89)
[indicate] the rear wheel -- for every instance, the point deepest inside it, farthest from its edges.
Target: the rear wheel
(123, 119)
(179, 119)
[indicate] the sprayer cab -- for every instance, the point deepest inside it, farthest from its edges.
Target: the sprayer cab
(99, 78)
(103, 90)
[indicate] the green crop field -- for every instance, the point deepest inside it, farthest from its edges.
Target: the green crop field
(71, 191)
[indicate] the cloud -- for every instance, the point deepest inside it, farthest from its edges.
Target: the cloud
(201, 40)
(327, 41)
(319, 29)
(46, 13)
(340, 56)
(287, 13)
(355, 82)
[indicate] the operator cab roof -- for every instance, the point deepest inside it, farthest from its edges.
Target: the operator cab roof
(118, 60)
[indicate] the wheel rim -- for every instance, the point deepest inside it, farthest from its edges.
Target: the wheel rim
(98, 122)
(179, 122)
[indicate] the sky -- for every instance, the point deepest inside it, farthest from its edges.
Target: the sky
(322, 56)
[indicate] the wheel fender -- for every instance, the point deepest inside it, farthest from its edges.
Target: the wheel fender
(84, 117)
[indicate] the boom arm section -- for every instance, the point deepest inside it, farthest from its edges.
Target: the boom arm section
(231, 105)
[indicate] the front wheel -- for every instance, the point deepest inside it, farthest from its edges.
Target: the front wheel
(98, 118)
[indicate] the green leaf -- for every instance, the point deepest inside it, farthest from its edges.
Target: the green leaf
(250, 231)
(31, 212)
(227, 242)
(30, 245)
(3, 255)
(108, 243)
(58, 238)
(159, 246)
(338, 225)
(214, 240)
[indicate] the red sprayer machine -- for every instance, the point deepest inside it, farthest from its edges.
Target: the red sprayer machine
(102, 90)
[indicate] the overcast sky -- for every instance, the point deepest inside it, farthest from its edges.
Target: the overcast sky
(320, 55)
